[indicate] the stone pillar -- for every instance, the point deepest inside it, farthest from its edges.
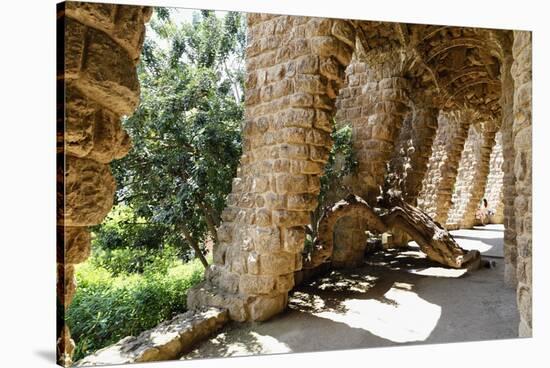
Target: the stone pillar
(99, 48)
(413, 150)
(494, 187)
(295, 68)
(509, 181)
(383, 106)
(472, 176)
(521, 72)
(437, 186)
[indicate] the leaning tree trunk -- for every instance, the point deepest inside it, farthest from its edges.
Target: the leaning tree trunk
(194, 244)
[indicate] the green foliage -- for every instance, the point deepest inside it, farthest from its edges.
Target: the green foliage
(125, 243)
(106, 308)
(341, 161)
(186, 130)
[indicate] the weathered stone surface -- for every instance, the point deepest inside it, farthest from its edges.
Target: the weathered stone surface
(124, 24)
(65, 347)
(100, 68)
(169, 340)
(521, 72)
(437, 186)
(472, 177)
(66, 283)
(92, 131)
(265, 307)
(102, 46)
(89, 191)
(73, 244)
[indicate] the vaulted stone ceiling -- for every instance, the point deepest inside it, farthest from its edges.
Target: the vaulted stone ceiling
(451, 67)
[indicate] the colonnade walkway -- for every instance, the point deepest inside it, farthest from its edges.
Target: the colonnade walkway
(396, 298)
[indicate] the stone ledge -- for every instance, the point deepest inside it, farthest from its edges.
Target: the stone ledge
(169, 340)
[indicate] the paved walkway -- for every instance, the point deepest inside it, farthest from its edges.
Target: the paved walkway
(395, 299)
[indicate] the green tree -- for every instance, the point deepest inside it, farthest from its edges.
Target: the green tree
(186, 130)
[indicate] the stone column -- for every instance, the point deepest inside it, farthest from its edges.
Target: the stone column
(413, 150)
(509, 180)
(99, 48)
(295, 68)
(384, 104)
(437, 186)
(521, 72)
(472, 177)
(494, 186)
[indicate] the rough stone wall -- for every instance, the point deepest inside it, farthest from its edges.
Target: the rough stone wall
(97, 84)
(521, 72)
(472, 176)
(413, 150)
(464, 183)
(494, 188)
(295, 68)
(375, 101)
(435, 196)
(509, 180)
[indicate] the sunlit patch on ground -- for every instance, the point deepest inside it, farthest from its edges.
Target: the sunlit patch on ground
(408, 318)
(398, 297)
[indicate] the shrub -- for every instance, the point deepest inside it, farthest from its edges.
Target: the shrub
(106, 308)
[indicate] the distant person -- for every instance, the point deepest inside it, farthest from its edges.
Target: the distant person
(482, 213)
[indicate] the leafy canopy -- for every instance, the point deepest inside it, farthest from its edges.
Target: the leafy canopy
(186, 130)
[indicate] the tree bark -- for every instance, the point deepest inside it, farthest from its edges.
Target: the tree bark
(194, 244)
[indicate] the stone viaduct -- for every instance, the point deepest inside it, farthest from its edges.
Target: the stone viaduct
(448, 108)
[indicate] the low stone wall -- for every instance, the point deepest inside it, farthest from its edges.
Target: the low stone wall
(169, 340)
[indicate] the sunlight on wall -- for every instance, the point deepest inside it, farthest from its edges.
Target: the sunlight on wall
(402, 316)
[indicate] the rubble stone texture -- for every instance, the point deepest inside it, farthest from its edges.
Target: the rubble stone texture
(495, 180)
(410, 92)
(509, 187)
(295, 67)
(521, 72)
(102, 44)
(472, 176)
(437, 187)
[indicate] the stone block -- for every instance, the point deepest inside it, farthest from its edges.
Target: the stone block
(302, 202)
(293, 239)
(89, 191)
(287, 183)
(290, 218)
(73, 244)
(267, 239)
(265, 307)
(104, 72)
(276, 263)
(256, 284)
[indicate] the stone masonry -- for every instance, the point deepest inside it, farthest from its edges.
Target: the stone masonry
(472, 176)
(410, 92)
(437, 187)
(97, 84)
(521, 72)
(495, 181)
(295, 68)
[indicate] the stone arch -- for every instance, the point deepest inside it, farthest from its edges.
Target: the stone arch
(295, 68)
(351, 207)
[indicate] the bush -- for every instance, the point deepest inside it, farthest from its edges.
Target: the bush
(106, 308)
(134, 260)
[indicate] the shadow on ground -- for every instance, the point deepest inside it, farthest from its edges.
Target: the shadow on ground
(398, 297)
